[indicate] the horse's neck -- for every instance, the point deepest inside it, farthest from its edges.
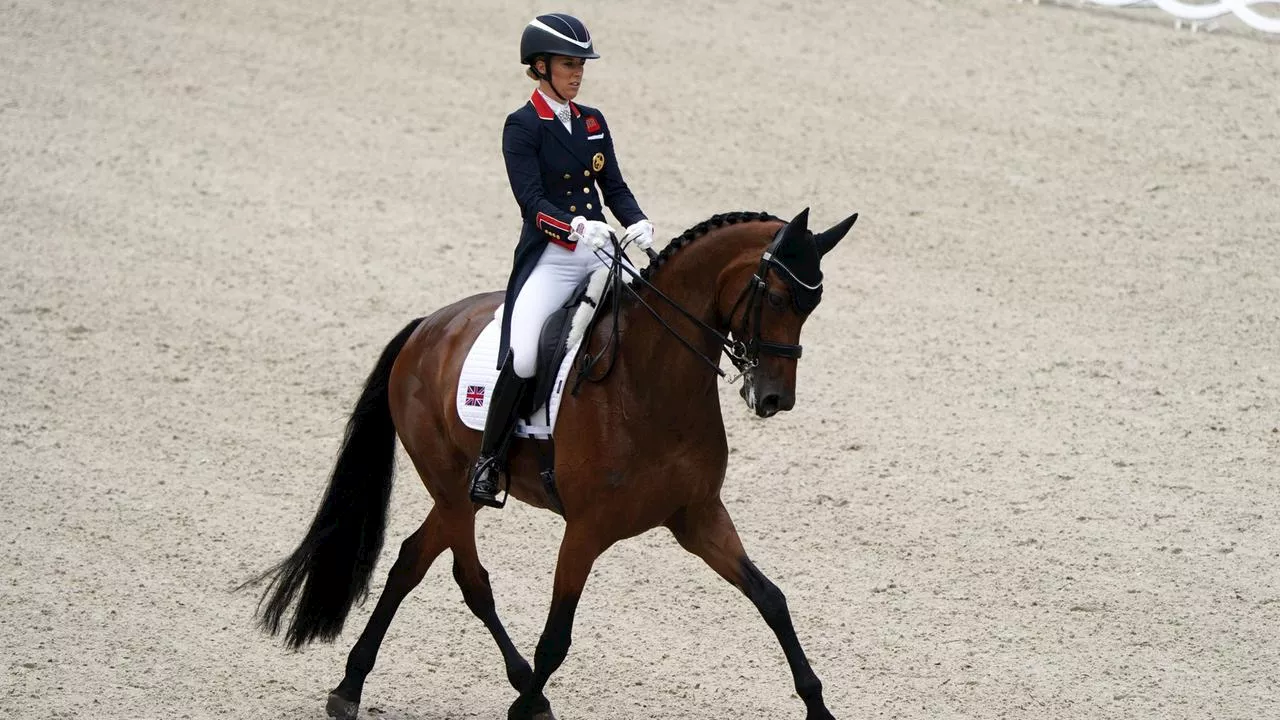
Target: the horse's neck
(691, 279)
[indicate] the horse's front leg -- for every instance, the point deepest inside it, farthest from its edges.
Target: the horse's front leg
(578, 552)
(708, 532)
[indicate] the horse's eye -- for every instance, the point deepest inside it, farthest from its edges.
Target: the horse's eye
(776, 301)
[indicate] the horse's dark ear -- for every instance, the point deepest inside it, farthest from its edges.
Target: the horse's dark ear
(796, 229)
(801, 220)
(828, 239)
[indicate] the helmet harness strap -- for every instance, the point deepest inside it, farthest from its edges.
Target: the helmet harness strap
(546, 59)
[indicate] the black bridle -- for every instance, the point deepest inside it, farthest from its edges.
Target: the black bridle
(804, 296)
(744, 354)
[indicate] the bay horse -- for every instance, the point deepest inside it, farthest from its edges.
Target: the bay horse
(643, 448)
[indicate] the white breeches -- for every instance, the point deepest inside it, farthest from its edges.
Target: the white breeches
(553, 279)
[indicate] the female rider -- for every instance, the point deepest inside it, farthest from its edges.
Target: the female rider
(557, 154)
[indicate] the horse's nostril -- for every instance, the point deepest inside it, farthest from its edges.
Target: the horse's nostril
(769, 404)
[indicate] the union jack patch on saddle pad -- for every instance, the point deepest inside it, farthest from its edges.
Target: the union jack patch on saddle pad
(475, 395)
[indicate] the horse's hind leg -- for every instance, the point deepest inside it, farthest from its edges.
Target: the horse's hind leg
(708, 532)
(417, 553)
(473, 579)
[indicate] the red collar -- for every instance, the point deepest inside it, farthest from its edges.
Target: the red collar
(543, 109)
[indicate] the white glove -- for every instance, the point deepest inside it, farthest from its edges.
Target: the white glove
(593, 232)
(641, 233)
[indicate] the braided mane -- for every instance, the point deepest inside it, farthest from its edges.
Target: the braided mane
(697, 231)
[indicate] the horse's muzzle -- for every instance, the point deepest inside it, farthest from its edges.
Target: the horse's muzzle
(768, 404)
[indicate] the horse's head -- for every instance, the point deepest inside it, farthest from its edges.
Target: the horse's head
(779, 290)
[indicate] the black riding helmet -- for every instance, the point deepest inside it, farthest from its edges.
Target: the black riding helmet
(554, 34)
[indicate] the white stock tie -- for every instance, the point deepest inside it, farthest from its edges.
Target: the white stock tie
(563, 114)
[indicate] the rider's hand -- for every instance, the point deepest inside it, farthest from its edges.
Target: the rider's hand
(595, 233)
(641, 233)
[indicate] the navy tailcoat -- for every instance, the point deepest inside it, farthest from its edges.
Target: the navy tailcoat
(556, 176)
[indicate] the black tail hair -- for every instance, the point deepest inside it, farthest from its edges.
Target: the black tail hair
(330, 569)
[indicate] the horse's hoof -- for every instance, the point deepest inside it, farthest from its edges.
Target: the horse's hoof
(545, 715)
(341, 708)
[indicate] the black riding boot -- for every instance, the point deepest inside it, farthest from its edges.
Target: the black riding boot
(499, 425)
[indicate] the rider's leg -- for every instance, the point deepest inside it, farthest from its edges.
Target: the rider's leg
(499, 423)
(548, 286)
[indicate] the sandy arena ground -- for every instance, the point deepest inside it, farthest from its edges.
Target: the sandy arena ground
(1032, 471)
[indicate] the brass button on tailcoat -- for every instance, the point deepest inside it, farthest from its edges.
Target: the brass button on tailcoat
(574, 208)
(567, 176)
(588, 206)
(586, 191)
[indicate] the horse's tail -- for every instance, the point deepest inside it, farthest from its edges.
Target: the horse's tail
(330, 569)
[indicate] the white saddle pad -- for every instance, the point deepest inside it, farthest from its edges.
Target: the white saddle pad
(479, 370)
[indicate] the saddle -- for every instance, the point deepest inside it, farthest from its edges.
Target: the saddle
(561, 337)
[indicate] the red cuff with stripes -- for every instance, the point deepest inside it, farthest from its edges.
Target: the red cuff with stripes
(557, 231)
